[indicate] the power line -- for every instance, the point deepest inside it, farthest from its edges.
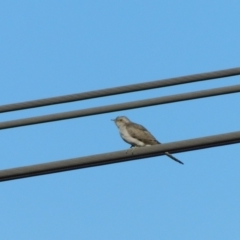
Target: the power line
(120, 90)
(120, 156)
(119, 107)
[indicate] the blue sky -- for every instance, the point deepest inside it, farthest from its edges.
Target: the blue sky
(53, 48)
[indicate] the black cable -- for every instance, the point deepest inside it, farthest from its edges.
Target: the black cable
(119, 107)
(120, 156)
(120, 90)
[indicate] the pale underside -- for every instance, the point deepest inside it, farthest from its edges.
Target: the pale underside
(137, 135)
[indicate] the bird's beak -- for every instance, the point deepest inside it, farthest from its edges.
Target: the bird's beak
(113, 120)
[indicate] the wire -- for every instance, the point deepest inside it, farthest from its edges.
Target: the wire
(120, 90)
(120, 156)
(119, 107)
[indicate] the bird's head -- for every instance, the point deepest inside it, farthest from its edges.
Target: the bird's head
(121, 121)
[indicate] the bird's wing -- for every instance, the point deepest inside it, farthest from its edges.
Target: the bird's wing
(141, 133)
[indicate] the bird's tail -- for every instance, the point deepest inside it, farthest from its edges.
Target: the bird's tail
(173, 158)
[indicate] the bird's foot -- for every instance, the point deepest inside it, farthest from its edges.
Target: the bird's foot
(131, 149)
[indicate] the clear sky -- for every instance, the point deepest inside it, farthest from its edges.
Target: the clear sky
(52, 48)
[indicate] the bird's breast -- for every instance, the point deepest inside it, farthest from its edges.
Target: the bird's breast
(130, 139)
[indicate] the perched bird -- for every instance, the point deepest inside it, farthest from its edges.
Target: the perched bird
(137, 135)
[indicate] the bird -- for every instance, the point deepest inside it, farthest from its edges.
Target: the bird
(137, 135)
